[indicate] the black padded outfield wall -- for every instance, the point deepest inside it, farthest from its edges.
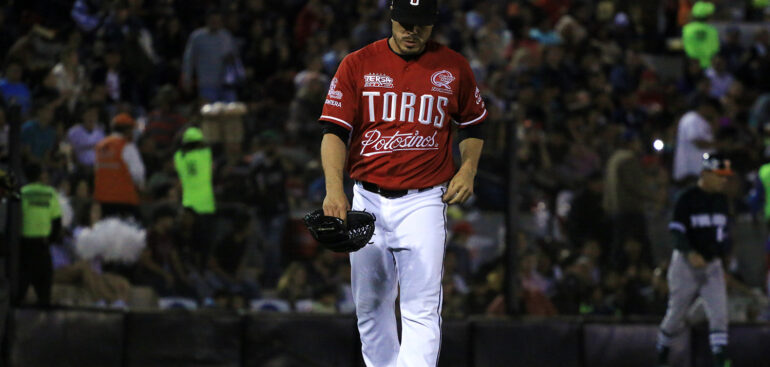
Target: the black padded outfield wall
(183, 339)
(749, 346)
(513, 343)
(67, 338)
(300, 340)
(83, 338)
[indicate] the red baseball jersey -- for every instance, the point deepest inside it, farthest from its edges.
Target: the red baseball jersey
(398, 113)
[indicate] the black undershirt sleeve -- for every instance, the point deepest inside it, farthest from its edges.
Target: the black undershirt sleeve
(332, 128)
(473, 131)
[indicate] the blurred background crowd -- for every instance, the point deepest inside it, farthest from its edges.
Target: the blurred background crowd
(601, 96)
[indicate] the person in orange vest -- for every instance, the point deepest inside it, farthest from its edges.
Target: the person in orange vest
(119, 171)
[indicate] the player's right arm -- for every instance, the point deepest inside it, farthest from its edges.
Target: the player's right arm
(339, 114)
(333, 153)
(680, 224)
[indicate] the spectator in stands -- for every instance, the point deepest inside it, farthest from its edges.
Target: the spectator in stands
(70, 77)
(227, 264)
(268, 180)
(454, 301)
(574, 290)
(84, 136)
(41, 224)
(636, 271)
(36, 50)
(113, 75)
(194, 165)
(293, 286)
(164, 122)
(119, 174)
(322, 270)
(731, 50)
(626, 193)
(14, 90)
(694, 137)
(587, 218)
(721, 79)
(534, 287)
(209, 52)
(38, 136)
(159, 265)
(170, 42)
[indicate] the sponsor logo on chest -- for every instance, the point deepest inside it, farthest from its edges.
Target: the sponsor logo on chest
(377, 80)
(376, 142)
(441, 81)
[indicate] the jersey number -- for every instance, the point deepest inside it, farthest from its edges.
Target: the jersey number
(414, 2)
(720, 234)
(192, 170)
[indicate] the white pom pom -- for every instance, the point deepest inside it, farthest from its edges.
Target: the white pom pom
(113, 240)
(86, 246)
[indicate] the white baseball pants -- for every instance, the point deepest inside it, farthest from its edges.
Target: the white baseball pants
(405, 259)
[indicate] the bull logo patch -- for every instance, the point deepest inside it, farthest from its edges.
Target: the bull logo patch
(441, 81)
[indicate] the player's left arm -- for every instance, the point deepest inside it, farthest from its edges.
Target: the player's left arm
(471, 114)
(461, 186)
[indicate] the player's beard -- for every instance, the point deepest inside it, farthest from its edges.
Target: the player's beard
(410, 45)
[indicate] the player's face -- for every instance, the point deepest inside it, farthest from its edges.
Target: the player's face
(713, 182)
(410, 39)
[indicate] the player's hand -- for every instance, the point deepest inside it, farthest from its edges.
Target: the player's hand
(460, 188)
(336, 204)
(696, 260)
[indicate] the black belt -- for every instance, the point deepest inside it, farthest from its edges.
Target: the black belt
(390, 194)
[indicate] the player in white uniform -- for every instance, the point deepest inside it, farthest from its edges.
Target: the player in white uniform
(387, 121)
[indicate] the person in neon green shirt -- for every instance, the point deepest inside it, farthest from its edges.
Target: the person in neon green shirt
(41, 223)
(764, 177)
(701, 40)
(194, 165)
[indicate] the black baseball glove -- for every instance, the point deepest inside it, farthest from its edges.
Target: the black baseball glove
(339, 236)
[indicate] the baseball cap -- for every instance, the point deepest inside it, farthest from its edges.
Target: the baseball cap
(718, 164)
(123, 119)
(192, 134)
(419, 12)
(702, 9)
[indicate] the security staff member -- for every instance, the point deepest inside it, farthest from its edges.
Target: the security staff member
(701, 40)
(119, 171)
(41, 223)
(700, 230)
(194, 165)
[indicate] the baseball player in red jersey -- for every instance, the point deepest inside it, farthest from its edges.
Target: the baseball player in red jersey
(387, 121)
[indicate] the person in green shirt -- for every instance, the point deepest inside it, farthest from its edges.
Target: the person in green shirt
(701, 40)
(41, 224)
(194, 165)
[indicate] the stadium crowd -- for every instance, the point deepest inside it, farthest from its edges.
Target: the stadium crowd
(597, 124)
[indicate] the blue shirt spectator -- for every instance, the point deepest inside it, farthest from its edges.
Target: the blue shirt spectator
(206, 57)
(84, 136)
(14, 90)
(38, 137)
